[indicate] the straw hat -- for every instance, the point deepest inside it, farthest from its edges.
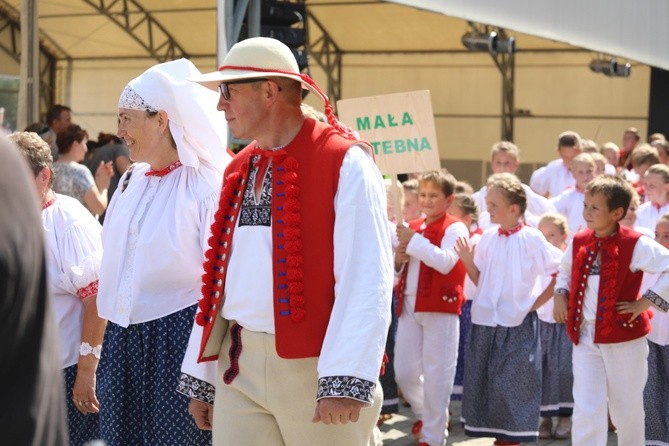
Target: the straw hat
(262, 57)
(259, 57)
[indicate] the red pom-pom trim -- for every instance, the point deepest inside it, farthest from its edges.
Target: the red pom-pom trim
(291, 163)
(293, 218)
(290, 178)
(292, 205)
(295, 274)
(293, 234)
(293, 246)
(297, 314)
(295, 288)
(295, 260)
(292, 191)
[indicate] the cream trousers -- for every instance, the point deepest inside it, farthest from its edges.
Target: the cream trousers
(272, 401)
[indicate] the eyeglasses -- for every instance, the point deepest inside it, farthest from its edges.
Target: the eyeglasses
(225, 89)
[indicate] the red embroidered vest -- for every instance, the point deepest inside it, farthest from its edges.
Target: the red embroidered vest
(616, 284)
(305, 176)
(436, 292)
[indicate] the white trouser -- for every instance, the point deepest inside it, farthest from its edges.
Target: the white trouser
(615, 371)
(427, 345)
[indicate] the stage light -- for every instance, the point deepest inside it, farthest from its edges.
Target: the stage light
(611, 67)
(491, 42)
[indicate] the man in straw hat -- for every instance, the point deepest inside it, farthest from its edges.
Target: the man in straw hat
(297, 283)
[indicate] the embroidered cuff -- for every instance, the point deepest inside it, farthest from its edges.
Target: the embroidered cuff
(196, 388)
(346, 387)
(89, 290)
(657, 300)
(563, 291)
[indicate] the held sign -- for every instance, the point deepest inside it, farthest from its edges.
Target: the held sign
(399, 126)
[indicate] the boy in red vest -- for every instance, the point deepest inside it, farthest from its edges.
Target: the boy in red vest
(431, 294)
(597, 296)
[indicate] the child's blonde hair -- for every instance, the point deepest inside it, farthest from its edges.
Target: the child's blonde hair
(659, 169)
(664, 218)
(610, 146)
(645, 154)
(589, 146)
(555, 219)
(468, 206)
(463, 187)
(583, 158)
(505, 147)
(511, 188)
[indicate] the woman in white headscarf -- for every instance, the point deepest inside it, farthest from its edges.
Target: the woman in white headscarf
(155, 235)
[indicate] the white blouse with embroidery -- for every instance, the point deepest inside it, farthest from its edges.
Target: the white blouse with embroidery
(155, 236)
(73, 256)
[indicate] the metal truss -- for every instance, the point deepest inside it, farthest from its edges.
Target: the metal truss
(50, 53)
(328, 56)
(506, 63)
(140, 24)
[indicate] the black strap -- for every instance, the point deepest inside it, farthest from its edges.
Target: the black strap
(127, 177)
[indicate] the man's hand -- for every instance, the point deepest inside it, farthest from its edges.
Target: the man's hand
(337, 410)
(202, 413)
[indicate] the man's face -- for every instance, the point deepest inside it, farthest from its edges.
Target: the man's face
(244, 111)
(64, 119)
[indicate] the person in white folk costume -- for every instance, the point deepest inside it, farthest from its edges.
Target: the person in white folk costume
(570, 202)
(555, 177)
(155, 235)
(505, 158)
(73, 252)
(297, 284)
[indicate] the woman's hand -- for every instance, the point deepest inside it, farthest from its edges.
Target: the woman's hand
(104, 174)
(83, 392)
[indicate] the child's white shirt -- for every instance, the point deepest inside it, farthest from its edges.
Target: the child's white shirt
(545, 312)
(552, 179)
(508, 269)
(570, 204)
(648, 214)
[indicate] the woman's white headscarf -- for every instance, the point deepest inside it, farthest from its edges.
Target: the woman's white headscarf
(198, 129)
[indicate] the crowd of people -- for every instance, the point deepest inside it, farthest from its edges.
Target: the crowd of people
(272, 297)
(553, 321)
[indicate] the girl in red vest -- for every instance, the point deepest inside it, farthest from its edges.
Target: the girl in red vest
(502, 388)
(597, 296)
(430, 295)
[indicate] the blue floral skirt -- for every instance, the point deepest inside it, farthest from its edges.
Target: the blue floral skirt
(141, 365)
(656, 395)
(557, 376)
(502, 390)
